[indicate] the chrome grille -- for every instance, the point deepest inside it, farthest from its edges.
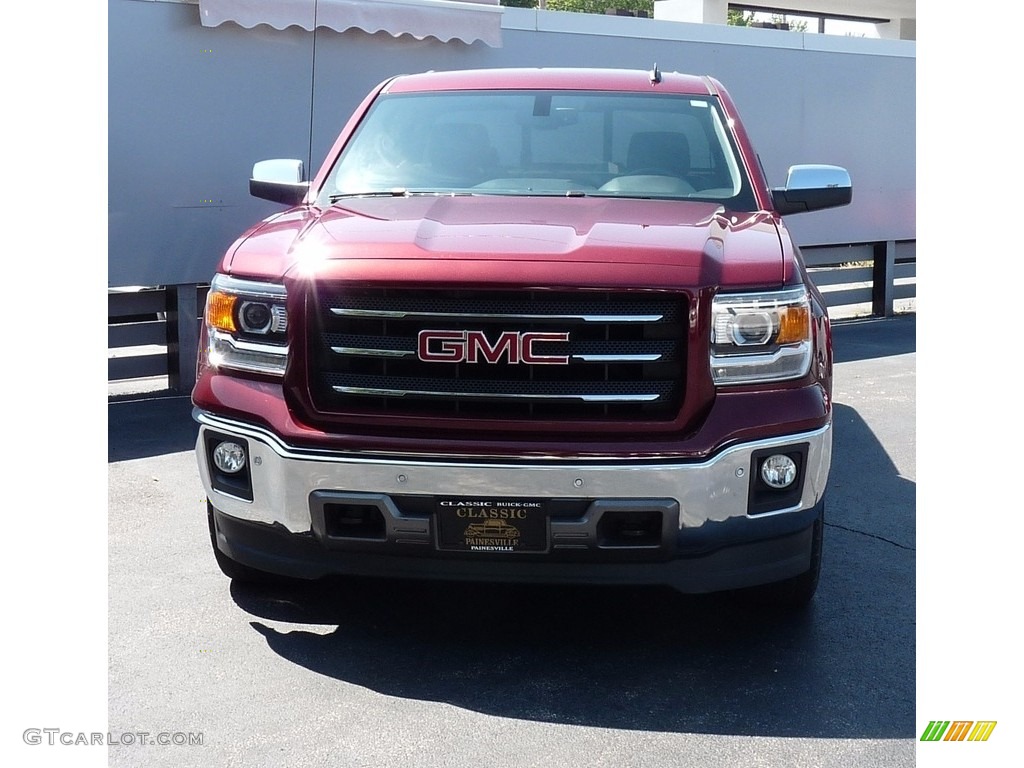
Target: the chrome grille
(625, 354)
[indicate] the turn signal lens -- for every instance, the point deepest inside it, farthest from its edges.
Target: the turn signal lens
(220, 312)
(794, 324)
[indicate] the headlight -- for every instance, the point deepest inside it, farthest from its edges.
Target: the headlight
(758, 337)
(247, 325)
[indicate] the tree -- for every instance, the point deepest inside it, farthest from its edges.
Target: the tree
(739, 18)
(794, 26)
(747, 19)
(586, 6)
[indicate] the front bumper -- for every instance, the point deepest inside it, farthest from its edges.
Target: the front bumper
(709, 533)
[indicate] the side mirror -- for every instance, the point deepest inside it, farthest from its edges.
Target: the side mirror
(813, 187)
(279, 181)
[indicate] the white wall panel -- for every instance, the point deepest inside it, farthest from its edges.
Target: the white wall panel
(191, 108)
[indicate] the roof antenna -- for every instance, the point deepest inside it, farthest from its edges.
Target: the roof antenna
(655, 74)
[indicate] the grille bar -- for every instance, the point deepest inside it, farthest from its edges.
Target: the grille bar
(617, 358)
(583, 398)
(582, 351)
(365, 352)
(392, 314)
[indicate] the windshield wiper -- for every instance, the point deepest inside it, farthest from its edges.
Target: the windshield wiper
(395, 192)
(398, 192)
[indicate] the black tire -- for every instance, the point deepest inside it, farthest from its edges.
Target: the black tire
(797, 592)
(233, 569)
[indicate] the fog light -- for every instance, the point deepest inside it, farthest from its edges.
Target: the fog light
(778, 471)
(229, 457)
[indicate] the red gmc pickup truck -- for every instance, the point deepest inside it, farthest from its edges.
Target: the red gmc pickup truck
(533, 325)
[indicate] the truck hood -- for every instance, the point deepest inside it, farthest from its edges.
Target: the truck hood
(529, 240)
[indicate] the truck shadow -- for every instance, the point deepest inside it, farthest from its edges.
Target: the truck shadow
(140, 427)
(640, 658)
(867, 338)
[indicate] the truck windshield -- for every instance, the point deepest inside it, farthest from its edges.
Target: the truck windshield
(664, 146)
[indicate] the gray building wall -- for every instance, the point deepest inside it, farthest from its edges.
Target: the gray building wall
(191, 108)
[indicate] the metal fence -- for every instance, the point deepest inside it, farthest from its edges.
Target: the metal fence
(865, 278)
(153, 333)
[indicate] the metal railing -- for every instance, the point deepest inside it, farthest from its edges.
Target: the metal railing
(864, 278)
(153, 333)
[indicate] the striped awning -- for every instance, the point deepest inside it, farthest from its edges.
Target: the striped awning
(465, 20)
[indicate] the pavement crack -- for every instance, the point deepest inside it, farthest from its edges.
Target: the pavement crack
(871, 536)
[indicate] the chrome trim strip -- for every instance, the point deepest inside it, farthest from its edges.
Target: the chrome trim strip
(762, 300)
(445, 460)
(230, 284)
(240, 345)
(361, 352)
(618, 358)
(784, 363)
(279, 324)
(399, 314)
(496, 396)
(225, 351)
(222, 423)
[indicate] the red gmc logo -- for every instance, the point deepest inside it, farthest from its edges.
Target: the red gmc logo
(475, 347)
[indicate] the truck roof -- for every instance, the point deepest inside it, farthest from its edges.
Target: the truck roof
(636, 80)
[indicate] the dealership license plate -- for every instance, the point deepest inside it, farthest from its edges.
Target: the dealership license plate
(495, 524)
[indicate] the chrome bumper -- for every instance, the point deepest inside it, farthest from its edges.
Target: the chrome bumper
(712, 490)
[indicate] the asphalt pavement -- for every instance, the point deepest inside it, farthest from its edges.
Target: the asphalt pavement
(355, 672)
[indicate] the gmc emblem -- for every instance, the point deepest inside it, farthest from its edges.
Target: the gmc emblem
(474, 347)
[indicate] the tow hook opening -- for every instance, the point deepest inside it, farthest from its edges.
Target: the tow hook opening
(354, 521)
(630, 528)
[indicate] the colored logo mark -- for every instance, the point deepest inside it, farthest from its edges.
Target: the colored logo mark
(958, 730)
